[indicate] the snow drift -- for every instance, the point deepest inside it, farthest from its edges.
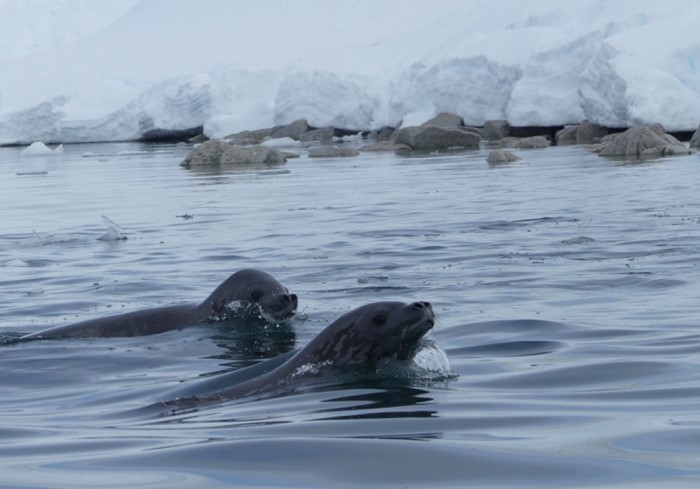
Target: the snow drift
(169, 64)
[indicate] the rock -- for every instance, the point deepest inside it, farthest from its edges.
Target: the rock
(382, 134)
(323, 135)
(332, 152)
(695, 139)
(253, 155)
(294, 130)
(500, 156)
(206, 154)
(496, 130)
(636, 140)
(534, 142)
(445, 120)
(566, 136)
(587, 133)
(428, 138)
(198, 139)
(246, 138)
(657, 128)
(385, 146)
(220, 153)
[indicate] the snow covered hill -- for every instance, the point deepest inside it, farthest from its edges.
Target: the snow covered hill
(359, 64)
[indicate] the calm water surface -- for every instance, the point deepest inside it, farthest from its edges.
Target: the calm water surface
(565, 288)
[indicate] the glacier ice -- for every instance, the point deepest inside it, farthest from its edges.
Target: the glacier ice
(219, 66)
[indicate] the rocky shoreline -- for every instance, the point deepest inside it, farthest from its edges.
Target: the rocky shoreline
(441, 133)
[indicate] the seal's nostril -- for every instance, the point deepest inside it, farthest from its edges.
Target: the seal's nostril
(421, 305)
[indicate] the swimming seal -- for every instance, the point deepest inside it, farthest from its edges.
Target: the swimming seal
(242, 292)
(362, 337)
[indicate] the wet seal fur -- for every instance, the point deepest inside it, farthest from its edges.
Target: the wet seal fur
(247, 290)
(362, 337)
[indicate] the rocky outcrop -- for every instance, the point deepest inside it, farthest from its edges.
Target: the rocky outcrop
(322, 135)
(695, 139)
(429, 138)
(446, 120)
(642, 141)
(252, 155)
(495, 130)
(217, 153)
(207, 153)
(587, 133)
(501, 156)
(198, 139)
(247, 138)
(566, 136)
(332, 152)
(583, 133)
(534, 142)
(441, 132)
(294, 130)
(381, 134)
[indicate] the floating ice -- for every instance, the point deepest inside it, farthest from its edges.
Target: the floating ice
(38, 148)
(114, 233)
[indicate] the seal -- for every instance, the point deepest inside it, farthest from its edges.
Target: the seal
(245, 291)
(360, 338)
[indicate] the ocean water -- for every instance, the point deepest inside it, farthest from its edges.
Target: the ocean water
(565, 288)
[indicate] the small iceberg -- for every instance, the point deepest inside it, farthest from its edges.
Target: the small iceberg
(114, 232)
(40, 149)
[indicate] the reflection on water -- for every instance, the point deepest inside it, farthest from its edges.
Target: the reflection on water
(564, 287)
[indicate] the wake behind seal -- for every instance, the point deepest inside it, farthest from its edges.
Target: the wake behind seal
(245, 291)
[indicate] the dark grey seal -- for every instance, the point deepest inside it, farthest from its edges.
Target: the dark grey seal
(245, 292)
(360, 338)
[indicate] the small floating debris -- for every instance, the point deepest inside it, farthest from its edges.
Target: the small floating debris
(372, 279)
(578, 240)
(185, 216)
(31, 173)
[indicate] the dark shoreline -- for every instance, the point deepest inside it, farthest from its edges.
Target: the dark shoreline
(196, 134)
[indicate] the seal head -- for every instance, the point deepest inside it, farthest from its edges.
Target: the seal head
(371, 333)
(253, 291)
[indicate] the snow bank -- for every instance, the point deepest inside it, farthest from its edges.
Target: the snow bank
(166, 64)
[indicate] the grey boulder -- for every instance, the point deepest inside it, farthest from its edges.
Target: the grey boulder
(217, 153)
(642, 141)
(501, 156)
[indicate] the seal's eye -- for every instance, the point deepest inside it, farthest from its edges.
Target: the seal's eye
(256, 295)
(379, 320)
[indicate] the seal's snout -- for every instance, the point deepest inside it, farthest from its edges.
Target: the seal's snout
(422, 305)
(426, 311)
(290, 299)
